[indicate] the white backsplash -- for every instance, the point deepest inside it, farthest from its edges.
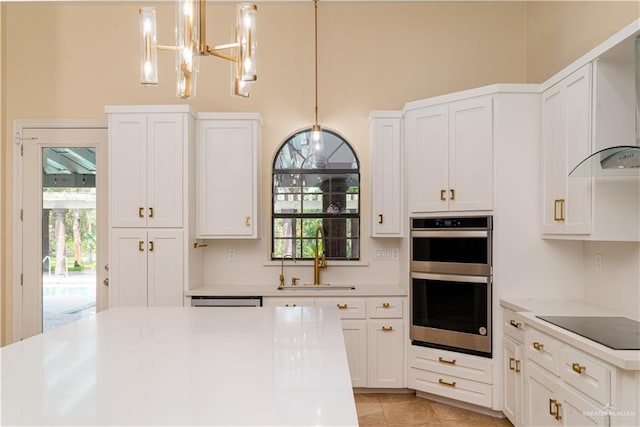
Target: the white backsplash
(616, 283)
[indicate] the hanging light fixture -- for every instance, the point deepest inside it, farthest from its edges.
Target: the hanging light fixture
(316, 130)
(191, 44)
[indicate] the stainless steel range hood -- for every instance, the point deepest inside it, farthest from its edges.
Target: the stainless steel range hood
(620, 160)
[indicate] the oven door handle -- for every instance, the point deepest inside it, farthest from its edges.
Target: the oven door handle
(451, 277)
(450, 233)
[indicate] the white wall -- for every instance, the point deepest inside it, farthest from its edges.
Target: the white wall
(617, 283)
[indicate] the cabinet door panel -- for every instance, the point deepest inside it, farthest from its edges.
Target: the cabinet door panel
(355, 341)
(553, 157)
(471, 155)
(127, 170)
(227, 168)
(165, 149)
(578, 131)
(165, 268)
(386, 180)
(128, 267)
(428, 158)
(386, 355)
(540, 395)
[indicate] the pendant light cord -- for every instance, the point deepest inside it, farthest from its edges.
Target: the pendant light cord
(315, 2)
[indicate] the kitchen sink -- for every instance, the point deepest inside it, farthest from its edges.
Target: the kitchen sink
(317, 288)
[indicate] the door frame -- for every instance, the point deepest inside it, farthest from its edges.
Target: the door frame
(18, 127)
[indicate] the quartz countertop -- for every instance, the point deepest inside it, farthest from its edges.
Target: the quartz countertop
(183, 366)
(527, 310)
(300, 291)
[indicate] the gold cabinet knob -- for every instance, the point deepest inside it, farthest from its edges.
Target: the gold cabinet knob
(386, 305)
(578, 368)
(342, 306)
(538, 346)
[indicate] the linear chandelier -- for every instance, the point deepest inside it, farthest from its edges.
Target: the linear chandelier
(191, 30)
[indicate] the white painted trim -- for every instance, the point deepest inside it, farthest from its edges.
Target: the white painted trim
(471, 93)
(18, 127)
(385, 114)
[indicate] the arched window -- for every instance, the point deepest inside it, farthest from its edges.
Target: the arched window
(316, 184)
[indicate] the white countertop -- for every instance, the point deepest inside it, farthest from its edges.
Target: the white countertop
(528, 309)
(301, 291)
(183, 366)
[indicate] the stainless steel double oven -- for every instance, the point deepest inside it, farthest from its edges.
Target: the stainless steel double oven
(451, 281)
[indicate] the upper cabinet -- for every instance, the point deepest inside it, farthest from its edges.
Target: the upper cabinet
(587, 107)
(386, 174)
(566, 140)
(450, 156)
(227, 175)
(146, 157)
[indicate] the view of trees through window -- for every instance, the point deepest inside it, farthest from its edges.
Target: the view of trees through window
(316, 184)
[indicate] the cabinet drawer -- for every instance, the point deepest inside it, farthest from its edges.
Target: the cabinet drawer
(385, 308)
(542, 349)
(451, 386)
(289, 302)
(449, 363)
(591, 377)
(349, 308)
(512, 325)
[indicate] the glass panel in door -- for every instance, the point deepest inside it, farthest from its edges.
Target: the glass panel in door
(68, 234)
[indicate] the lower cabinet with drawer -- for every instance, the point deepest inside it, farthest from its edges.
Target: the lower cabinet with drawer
(454, 375)
(373, 330)
(565, 386)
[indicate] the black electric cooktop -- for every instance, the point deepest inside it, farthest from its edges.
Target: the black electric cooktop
(618, 333)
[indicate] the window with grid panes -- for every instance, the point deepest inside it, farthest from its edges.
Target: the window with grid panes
(315, 184)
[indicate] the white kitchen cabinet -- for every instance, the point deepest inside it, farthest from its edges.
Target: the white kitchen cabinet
(512, 380)
(373, 331)
(146, 173)
(550, 403)
(450, 374)
(146, 267)
(227, 175)
(355, 342)
(386, 174)
(450, 156)
(386, 353)
(150, 159)
(566, 140)
(513, 368)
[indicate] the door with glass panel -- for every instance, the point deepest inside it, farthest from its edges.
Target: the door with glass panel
(64, 265)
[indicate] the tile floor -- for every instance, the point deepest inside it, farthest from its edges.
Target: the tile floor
(396, 410)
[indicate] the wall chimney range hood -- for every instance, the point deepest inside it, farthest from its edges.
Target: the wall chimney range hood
(620, 160)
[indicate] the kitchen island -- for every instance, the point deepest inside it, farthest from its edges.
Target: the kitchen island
(182, 366)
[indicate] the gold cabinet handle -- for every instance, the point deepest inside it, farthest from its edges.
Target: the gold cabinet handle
(552, 403)
(386, 305)
(448, 362)
(151, 246)
(538, 346)
(247, 221)
(452, 194)
(447, 383)
(141, 245)
(577, 368)
(387, 328)
(442, 197)
(197, 245)
(150, 212)
(380, 219)
(141, 212)
(558, 415)
(515, 324)
(517, 366)
(342, 306)
(558, 210)
(512, 364)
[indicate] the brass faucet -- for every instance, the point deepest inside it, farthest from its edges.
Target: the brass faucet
(319, 261)
(282, 269)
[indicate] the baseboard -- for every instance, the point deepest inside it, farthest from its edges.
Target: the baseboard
(364, 390)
